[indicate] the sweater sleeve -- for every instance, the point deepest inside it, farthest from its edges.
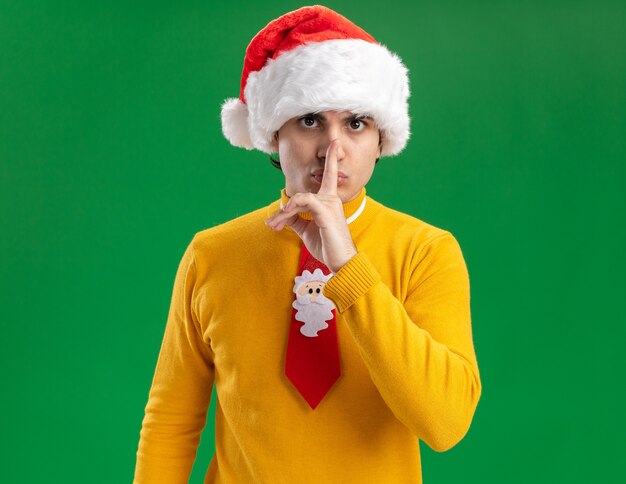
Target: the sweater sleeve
(175, 414)
(419, 352)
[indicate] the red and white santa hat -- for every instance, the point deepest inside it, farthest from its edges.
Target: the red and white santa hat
(310, 60)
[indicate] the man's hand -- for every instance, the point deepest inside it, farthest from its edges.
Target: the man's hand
(326, 236)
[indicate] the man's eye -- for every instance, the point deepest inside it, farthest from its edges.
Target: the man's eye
(357, 124)
(308, 121)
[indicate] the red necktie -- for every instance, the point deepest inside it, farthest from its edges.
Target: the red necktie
(312, 362)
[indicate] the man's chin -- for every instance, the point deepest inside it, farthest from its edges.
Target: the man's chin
(342, 192)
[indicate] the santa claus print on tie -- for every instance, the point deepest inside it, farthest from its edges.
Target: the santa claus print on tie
(314, 309)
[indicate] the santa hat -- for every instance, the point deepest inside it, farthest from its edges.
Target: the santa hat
(311, 60)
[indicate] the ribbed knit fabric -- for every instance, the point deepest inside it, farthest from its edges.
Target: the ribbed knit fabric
(355, 282)
(408, 366)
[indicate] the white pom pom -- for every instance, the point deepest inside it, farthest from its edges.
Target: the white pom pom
(235, 123)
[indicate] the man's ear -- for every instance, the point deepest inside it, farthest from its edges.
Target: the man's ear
(274, 143)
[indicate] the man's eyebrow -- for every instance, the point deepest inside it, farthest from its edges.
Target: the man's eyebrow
(346, 118)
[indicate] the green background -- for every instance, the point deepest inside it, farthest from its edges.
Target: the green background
(112, 157)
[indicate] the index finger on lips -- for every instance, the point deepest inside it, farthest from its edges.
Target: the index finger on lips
(329, 179)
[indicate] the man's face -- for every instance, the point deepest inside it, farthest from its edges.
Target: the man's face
(302, 144)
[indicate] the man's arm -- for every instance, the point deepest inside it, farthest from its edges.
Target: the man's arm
(175, 414)
(419, 353)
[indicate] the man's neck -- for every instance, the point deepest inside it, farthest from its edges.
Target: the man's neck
(351, 209)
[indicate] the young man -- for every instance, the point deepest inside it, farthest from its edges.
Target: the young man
(337, 331)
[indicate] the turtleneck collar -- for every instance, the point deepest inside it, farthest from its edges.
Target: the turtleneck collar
(351, 209)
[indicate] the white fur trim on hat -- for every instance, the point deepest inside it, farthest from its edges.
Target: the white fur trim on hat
(333, 75)
(235, 123)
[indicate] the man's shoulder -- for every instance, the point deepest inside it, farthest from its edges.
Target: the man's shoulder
(239, 228)
(404, 223)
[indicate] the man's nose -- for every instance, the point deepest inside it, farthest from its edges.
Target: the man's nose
(333, 131)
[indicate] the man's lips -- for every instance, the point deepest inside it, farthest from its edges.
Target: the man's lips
(318, 179)
(318, 175)
(320, 172)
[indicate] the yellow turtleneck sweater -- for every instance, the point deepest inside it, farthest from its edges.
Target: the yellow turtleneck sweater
(408, 366)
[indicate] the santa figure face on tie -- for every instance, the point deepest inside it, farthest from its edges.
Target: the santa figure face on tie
(311, 290)
(314, 309)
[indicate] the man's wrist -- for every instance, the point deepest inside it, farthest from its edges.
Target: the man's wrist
(357, 276)
(349, 257)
